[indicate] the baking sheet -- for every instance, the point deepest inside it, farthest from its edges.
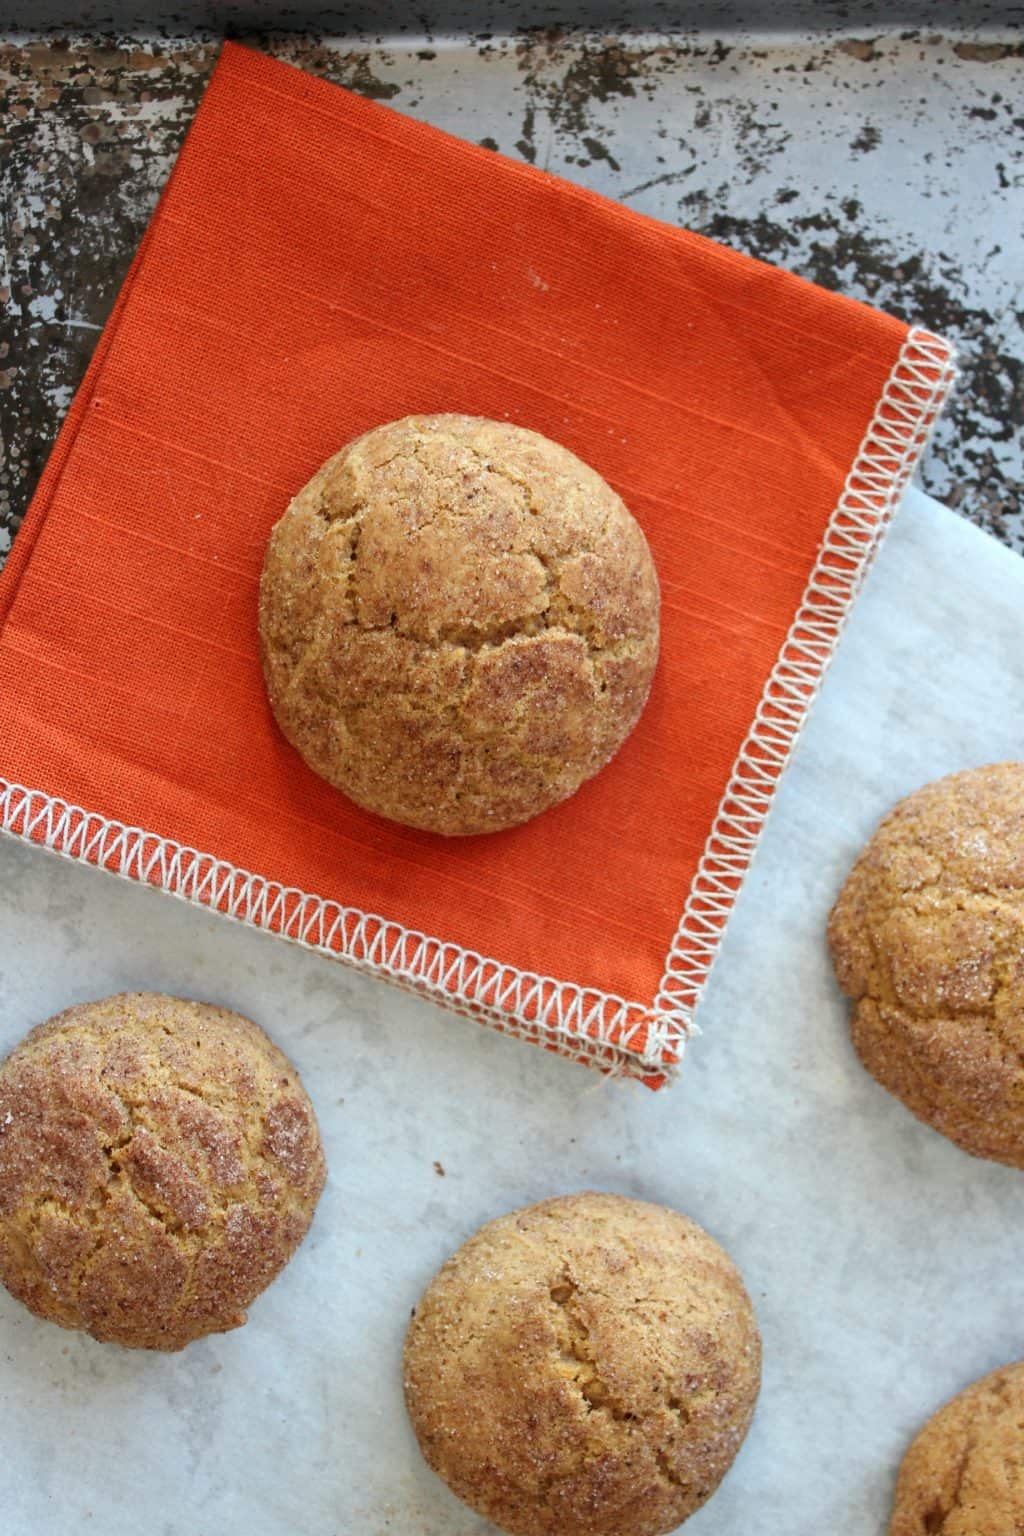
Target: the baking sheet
(884, 1264)
(848, 148)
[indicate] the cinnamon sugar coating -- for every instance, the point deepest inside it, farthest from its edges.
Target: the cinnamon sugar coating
(927, 938)
(964, 1474)
(585, 1367)
(458, 623)
(159, 1164)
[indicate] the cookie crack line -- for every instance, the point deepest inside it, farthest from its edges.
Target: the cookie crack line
(68, 1292)
(351, 595)
(117, 1173)
(572, 621)
(669, 1473)
(492, 638)
(880, 990)
(550, 564)
(86, 1217)
(482, 459)
(218, 1201)
(936, 1517)
(504, 473)
(593, 1388)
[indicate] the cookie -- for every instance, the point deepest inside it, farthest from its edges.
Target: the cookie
(927, 938)
(159, 1164)
(961, 1476)
(584, 1367)
(458, 623)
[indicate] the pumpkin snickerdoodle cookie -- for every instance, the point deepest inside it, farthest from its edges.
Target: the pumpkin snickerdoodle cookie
(585, 1367)
(927, 938)
(962, 1476)
(458, 623)
(159, 1164)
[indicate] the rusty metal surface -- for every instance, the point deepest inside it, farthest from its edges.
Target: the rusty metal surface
(434, 18)
(889, 166)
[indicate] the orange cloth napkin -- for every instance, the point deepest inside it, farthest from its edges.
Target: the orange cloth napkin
(319, 264)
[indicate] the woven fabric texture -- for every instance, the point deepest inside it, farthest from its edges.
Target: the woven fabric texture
(319, 264)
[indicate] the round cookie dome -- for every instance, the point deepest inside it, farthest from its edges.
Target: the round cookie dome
(159, 1164)
(458, 623)
(585, 1367)
(927, 938)
(960, 1476)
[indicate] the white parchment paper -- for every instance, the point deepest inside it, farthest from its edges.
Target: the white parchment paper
(885, 1265)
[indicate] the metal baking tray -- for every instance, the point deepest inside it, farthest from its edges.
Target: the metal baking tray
(877, 151)
(864, 150)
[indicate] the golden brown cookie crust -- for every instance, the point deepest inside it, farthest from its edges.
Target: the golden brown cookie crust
(584, 1367)
(458, 623)
(927, 938)
(159, 1164)
(963, 1475)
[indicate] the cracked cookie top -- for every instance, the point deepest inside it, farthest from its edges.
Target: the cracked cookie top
(159, 1164)
(586, 1366)
(964, 1474)
(927, 938)
(458, 623)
